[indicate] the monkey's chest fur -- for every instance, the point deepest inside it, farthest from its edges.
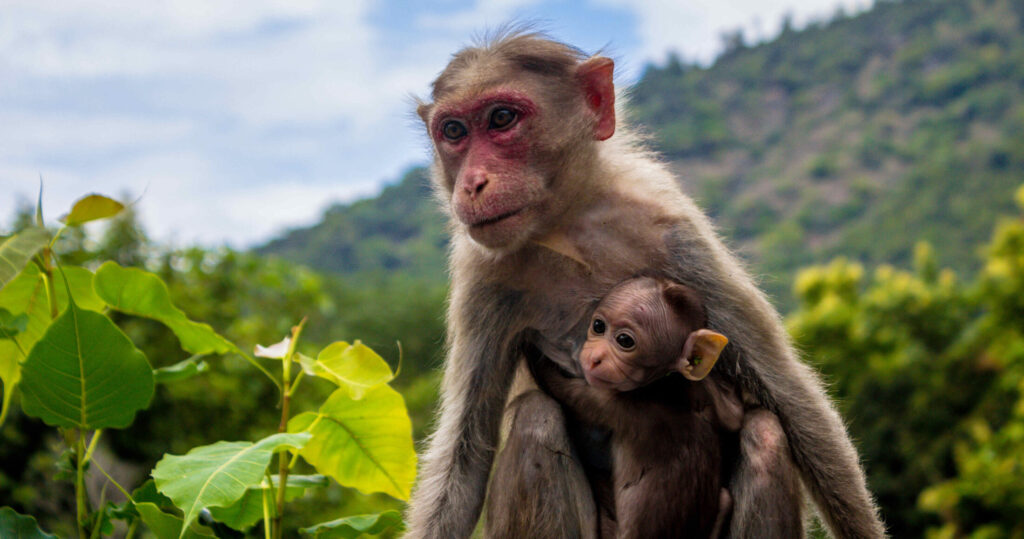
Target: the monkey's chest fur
(666, 461)
(561, 291)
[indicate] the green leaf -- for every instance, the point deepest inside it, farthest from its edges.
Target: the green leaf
(91, 208)
(20, 526)
(366, 444)
(167, 526)
(147, 493)
(85, 372)
(355, 526)
(80, 281)
(17, 250)
(182, 370)
(354, 367)
(26, 295)
(10, 374)
(302, 481)
(218, 475)
(10, 324)
(141, 293)
(249, 510)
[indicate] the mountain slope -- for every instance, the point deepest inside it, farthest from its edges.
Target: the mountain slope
(399, 231)
(855, 138)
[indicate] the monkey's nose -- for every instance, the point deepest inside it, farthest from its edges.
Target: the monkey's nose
(474, 185)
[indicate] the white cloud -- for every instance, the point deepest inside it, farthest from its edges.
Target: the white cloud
(84, 134)
(478, 16)
(694, 27)
(211, 108)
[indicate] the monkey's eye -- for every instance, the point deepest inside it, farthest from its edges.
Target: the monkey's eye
(625, 341)
(453, 130)
(598, 326)
(501, 118)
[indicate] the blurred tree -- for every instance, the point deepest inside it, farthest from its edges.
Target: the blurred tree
(929, 372)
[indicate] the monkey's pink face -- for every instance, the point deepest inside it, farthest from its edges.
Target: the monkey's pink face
(487, 148)
(613, 354)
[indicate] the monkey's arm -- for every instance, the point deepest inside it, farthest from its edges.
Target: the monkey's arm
(590, 404)
(478, 372)
(762, 360)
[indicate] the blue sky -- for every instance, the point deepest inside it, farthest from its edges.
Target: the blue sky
(232, 121)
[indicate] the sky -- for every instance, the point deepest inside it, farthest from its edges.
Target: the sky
(226, 122)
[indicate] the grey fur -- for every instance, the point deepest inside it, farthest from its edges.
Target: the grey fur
(539, 458)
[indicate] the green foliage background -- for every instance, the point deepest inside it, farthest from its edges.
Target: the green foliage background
(868, 170)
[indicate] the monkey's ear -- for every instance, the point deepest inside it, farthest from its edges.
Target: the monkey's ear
(595, 78)
(700, 353)
(684, 302)
(423, 110)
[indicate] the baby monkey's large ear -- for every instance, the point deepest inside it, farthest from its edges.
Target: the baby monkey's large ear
(700, 353)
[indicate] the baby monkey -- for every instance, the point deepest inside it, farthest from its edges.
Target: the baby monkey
(644, 358)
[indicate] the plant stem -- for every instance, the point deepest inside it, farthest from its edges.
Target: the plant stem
(282, 464)
(267, 526)
(51, 289)
(80, 483)
(286, 399)
(92, 445)
(127, 495)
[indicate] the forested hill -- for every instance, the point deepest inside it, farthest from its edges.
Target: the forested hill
(400, 231)
(858, 137)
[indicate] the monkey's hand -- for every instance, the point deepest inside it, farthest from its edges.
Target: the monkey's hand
(725, 402)
(552, 379)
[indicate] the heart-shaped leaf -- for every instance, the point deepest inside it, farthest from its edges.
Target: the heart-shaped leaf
(20, 526)
(366, 444)
(26, 296)
(354, 367)
(138, 292)
(91, 208)
(18, 249)
(85, 372)
(218, 475)
(355, 526)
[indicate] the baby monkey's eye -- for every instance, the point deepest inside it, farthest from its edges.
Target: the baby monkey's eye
(625, 341)
(598, 326)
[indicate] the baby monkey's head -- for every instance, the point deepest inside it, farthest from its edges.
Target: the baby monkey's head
(644, 329)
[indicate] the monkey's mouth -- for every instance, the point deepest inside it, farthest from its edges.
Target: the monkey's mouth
(596, 381)
(483, 223)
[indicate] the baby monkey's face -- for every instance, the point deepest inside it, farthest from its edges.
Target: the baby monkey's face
(633, 339)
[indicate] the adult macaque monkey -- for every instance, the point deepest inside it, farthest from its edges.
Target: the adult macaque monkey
(549, 211)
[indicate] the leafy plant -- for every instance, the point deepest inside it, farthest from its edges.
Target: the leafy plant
(79, 372)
